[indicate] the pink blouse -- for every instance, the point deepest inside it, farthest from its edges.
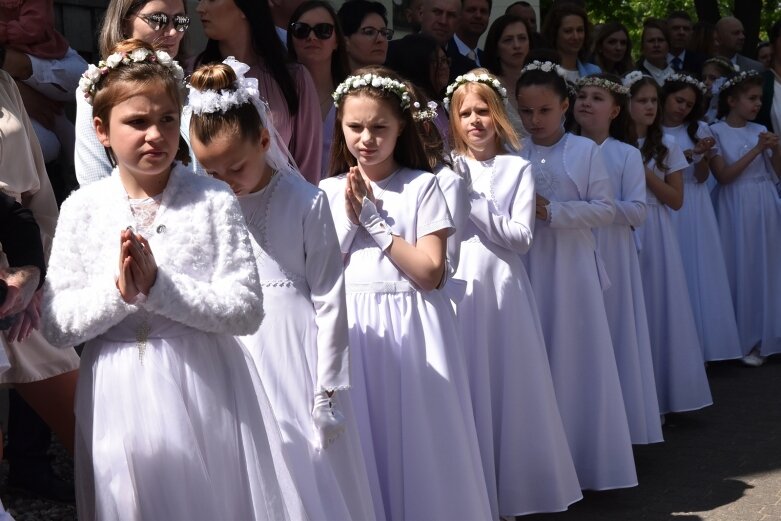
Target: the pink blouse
(28, 26)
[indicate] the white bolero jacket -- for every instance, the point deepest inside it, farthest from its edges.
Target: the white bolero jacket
(206, 278)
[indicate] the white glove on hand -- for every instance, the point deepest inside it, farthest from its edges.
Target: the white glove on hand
(375, 225)
(329, 421)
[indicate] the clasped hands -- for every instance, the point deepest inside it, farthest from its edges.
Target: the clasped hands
(137, 267)
(22, 301)
(541, 207)
(767, 141)
(362, 211)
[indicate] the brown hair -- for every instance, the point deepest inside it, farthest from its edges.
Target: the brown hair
(653, 146)
(242, 121)
(122, 83)
(505, 133)
(433, 143)
(409, 151)
(550, 29)
(117, 21)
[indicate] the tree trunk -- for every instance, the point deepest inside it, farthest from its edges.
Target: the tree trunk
(750, 13)
(707, 10)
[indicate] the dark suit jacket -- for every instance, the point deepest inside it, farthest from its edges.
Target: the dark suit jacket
(459, 64)
(20, 236)
(768, 88)
(747, 64)
(693, 62)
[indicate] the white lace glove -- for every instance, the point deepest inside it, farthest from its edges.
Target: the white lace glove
(329, 421)
(374, 224)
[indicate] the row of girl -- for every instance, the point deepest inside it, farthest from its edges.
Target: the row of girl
(485, 377)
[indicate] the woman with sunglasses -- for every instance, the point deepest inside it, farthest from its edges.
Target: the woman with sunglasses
(366, 32)
(245, 30)
(162, 23)
(315, 39)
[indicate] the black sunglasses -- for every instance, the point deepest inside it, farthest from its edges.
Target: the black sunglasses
(158, 21)
(301, 31)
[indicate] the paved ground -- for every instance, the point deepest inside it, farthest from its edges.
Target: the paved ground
(719, 464)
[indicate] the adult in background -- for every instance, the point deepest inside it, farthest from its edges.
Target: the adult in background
(703, 39)
(654, 47)
(681, 29)
(315, 39)
(141, 19)
(765, 54)
(730, 37)
(507, 48)
(613, 49)
(412, 14)
(567, 30)
(439, 19)
(471, 26)
(366, 32)
(244, 29)
(525, 10)
(770, 113)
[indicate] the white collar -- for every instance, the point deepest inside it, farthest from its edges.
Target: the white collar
(464, 49)
(681, 56)
(660, 75)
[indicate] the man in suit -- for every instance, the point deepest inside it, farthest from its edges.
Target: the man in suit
(730, 37)
(681, 28)
(525, 11)
(439, 19)
(471, 26)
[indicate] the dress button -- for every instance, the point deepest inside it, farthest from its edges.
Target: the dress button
(161, 228)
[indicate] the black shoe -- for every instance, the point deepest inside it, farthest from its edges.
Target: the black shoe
(42, 483)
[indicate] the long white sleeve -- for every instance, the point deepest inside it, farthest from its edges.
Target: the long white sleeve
(231, 300)
(345, 229)
(457, 196)
(324, 275)
(596, 209)
(630, 204)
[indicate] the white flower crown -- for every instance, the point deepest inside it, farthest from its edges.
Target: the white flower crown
(245, 90)
(372, 80)
(685, 78)
(548, 66)
(427, 114)
(92, 77)
(602, 83)
(485, 79)
(632, 78)
(738, 78)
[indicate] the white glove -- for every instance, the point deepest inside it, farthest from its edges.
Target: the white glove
(328, 420)
(375, 225)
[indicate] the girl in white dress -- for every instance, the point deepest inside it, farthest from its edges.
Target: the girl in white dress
(573, 195)
(300, 349)
(749, 210)
(153, 269)
(695, 223)
(681, 382)
(602, 115)
(525, 452)
(411, 392)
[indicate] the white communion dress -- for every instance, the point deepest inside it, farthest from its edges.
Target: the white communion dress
(567, 276)
(525, 452)
(681, 382)
(410, 387)
(624, 300)
(301, 346)
(169, 420)
(703, 260)
(749, 214)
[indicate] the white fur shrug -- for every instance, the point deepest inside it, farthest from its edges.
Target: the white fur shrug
(206, 278)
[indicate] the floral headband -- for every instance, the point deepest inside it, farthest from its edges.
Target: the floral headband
(485, 79)
(602, 83)
(738, 78)
(92, 77)
(632, 78)
(427, 114)
(209, 101)
(372, 80)
(548, 66)
(685, 78)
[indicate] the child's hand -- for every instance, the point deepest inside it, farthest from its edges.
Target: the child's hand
(125, 283)
(143, 267)
(704, 145)
(767, 141)
(352, 204)
(541, 210)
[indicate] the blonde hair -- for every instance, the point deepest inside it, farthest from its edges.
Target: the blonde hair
(505, 133)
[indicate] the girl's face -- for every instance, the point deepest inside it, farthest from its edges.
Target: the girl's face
(710, 73)
(571, 35)
(655, 46)
(220, 18)
(241, 163)
(143, 132)
(513, 46)
(595, 108)
(439, 69)
(312, 49)
(371, 128)
(168, 38)
(542, 112)
(476, 124)
(368, 46)
(643, 106)
(746, 104)
(678, 105)
(614, 47)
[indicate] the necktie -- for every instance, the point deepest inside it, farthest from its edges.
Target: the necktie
(677, 64)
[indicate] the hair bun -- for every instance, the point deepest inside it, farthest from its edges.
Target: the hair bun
(213, 76)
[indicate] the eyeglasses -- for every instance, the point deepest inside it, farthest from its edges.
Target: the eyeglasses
(159, 21)
(301, 31)
(372, 32)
